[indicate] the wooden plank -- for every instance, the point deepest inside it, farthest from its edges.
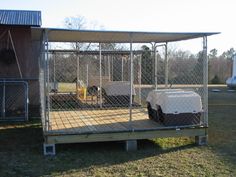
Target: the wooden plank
(52, 139)
(113, 119)
(94, 120)
(100, 121)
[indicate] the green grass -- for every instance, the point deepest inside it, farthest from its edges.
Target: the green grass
(66, 87)
(21, 151)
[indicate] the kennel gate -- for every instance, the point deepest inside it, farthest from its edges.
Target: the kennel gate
(13, 100)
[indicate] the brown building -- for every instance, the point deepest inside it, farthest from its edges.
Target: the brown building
(19, 65)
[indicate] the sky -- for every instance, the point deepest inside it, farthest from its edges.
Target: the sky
(143, 15)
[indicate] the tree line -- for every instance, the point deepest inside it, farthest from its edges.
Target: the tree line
(184, 67)
(187, 68)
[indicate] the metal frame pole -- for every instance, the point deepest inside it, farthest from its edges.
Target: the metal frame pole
(155, 64)
(42, 80)
(140, 79)
(87, 75)
(122, 69)
(112, 62)
(205, 80)
(77, 73)
(166, 67)
(54, 71)
(109, 67)
(100, 73)
(131, 83)
(47, 81)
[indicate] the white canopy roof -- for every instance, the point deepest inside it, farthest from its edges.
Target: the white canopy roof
(67, 35)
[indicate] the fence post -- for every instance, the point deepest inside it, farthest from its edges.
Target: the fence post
(155, 64)
(205, 80)
(131, 83)
(166, 67)
(140, 80)
(100, 74)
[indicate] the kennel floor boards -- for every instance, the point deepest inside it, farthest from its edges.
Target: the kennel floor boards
(98, 121)
(108, 125)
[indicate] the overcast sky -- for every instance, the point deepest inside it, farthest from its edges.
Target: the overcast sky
(143, 15)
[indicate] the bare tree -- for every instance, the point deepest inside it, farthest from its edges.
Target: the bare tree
(78, 23)
(213, 53)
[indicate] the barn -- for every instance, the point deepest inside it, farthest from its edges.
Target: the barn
(19, 86)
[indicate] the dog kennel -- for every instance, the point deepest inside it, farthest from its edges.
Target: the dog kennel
(99, 94)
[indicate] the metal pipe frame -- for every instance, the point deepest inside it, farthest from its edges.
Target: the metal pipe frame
(77, 70)
(166, 66)
(109, 67)
(42, 83)
(20, 79)
(155, 64)
(122, 69)
(154, 49)
(112, 69)
(131, 83)
(87, 75)
(205, 75)
(96, 52)
(44, 72)
(54, 71)
(46, 79)
(205, 80)
(100, 75)
(140, 79)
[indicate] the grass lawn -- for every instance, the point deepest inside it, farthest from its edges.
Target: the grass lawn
(66, 87)
(21, 151)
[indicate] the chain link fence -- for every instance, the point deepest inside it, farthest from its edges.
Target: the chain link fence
(13, 100)
(102, 91)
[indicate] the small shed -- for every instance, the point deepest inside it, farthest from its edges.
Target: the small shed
(18, 64)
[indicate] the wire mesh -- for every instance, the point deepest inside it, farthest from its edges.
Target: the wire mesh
(88, 92)
(13, 100)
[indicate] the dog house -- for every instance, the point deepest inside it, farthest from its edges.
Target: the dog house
(174, 107)
(100, 94)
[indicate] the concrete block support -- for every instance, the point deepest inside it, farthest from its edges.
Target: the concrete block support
(131, 145)
(201, 140)
(49, 149)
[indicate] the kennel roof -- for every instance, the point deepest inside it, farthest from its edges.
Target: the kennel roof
(69, 35)
(20, 17)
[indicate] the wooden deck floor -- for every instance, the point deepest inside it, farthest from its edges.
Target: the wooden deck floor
(99, 121)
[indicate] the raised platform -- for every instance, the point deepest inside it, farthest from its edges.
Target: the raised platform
(109, 125)
(99, 121)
